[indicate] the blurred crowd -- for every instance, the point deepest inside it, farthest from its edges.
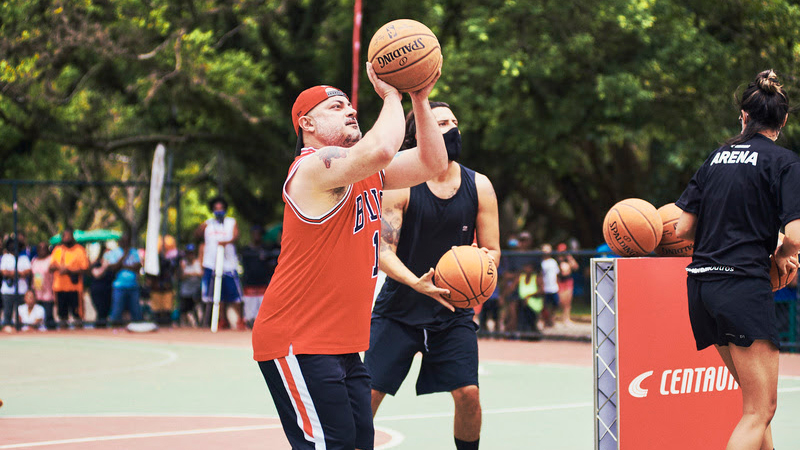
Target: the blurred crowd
(536, 287)
(69, 285)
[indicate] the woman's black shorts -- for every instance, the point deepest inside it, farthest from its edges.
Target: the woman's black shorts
(736, 310)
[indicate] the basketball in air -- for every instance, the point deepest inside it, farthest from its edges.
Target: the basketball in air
(632, 227)
(405, 54)
(671, 244)
(468, 273)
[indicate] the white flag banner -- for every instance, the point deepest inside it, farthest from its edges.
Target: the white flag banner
(151, 266)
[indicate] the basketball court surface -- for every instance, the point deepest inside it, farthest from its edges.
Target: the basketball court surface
(99, 389)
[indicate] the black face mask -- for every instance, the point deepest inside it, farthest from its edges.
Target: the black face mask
(452, 141)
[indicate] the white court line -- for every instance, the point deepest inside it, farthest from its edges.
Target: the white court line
(170, 358)
(118, 437)
(787, 390)
(395, 437)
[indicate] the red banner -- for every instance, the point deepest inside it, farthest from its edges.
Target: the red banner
(670, 395)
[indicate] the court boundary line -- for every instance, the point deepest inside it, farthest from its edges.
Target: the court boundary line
(395, 437)
(156, 434)
(171, 357)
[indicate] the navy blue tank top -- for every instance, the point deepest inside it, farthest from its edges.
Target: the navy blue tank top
(431, 226)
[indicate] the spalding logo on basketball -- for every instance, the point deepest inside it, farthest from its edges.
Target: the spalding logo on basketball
(632, 227)
(405, 54)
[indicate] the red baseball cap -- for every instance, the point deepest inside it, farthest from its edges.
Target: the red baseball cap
(310, 98)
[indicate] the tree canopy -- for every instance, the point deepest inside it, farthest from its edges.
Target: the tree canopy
(567, 106)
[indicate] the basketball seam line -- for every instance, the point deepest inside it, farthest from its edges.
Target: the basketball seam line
(619, 249)
(464, 274)
(424, 82)
(630, 235)
(451, 288)
(649, 224)
(421, 59)
(407, 36)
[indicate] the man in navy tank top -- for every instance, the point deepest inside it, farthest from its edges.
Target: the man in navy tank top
(418, 225)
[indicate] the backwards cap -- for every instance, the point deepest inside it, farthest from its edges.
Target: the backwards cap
(310, 98)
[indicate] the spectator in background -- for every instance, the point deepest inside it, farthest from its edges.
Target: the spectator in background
(43, 283)
(490, 310)
(509, 301)
(15, 270)
(529, 290)
(257, 273)
(68, 263)
(101, 287)
(162, 296)
(31, 315)
(550, 272)
(221, 231)
(566, 284)
(524, 241)
(191, 273)
(24, 249)
(125, 262)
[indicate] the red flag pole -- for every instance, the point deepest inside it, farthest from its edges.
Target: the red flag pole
(356, 52)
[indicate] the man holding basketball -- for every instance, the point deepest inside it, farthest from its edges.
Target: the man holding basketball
(418, 226)
(314, 318)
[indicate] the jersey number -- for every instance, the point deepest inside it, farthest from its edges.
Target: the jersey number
(375, 243)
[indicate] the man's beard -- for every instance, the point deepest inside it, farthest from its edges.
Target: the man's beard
(339, 139)
(351, 140)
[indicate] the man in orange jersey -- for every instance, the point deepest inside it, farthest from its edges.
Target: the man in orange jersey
(315, 315)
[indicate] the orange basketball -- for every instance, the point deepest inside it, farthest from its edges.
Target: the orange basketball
(632, 227)
(468, 273)
(405, 54)
(777, 281)
(671, 244)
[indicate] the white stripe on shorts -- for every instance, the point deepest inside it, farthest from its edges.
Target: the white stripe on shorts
(300, 383)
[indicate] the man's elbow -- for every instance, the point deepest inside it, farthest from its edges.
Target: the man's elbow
(383, 153)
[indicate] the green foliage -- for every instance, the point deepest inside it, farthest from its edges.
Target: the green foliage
(567, 106)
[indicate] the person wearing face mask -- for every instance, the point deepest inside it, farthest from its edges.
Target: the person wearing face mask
(68, 263)
(418, 225)
(221, 230)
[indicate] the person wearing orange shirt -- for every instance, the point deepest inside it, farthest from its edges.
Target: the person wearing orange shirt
(315, 314)
(68, 263)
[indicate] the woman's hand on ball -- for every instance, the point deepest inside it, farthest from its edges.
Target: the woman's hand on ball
(786, 264)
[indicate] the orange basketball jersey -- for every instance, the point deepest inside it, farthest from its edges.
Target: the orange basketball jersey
(320, 298)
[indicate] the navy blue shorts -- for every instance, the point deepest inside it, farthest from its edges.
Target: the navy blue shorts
(551, 299)
(449, 356)
(323, 400)
(736, 310)
(230, 291)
